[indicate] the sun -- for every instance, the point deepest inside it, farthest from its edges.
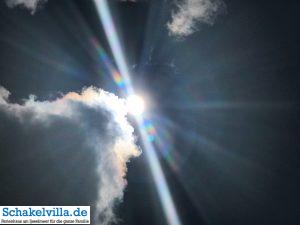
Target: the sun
(135, 105)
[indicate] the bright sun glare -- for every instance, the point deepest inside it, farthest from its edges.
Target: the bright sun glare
(136, 105)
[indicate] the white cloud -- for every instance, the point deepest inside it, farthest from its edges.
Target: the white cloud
(29, 4)
(100, 117)
(191, 13)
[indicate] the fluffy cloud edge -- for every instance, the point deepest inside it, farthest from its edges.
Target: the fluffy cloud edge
(112, 160)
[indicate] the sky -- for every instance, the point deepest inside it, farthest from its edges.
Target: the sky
(220, 80)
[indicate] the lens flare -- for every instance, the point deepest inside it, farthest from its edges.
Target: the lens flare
(123, 78)
(106, 61)
(150, 130)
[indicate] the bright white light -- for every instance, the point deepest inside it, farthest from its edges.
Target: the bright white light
(136, 105)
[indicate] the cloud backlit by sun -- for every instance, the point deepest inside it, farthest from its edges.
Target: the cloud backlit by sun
(100, 119)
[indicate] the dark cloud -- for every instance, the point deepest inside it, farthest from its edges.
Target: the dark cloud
(71, 151)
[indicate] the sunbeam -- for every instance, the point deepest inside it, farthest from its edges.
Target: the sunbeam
(160, 181)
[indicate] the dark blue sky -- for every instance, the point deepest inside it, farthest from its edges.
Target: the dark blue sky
(227, 97)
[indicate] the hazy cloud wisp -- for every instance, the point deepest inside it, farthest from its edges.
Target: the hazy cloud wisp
(191, 13)
(29, 4)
